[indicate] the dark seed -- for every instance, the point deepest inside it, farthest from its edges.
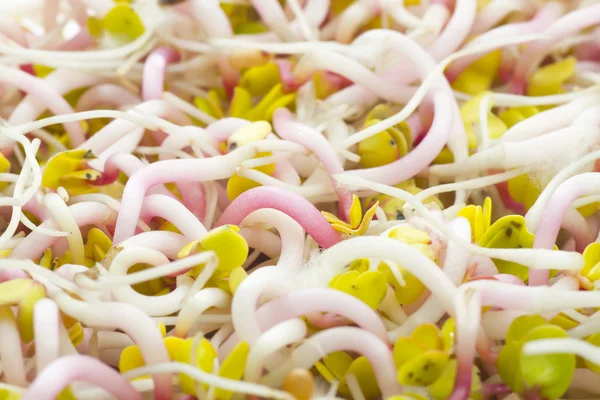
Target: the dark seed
(515, 224)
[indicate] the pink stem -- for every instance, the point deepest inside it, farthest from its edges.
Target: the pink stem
(533, 300)
(576, 225)
(468, 319)
(12, 273)
(193, 196)
(222, 199)
(354, 71)
(462, 384)
(455, 267)
(106, 94)
(454, 34)
(456, 31)
(10, 27)
(168, 243)
(295, 206)
(357, 341)
(84, 213)
(326, 321)
(416, 127)
(196, 170)
(42, 93)
(154, 77)
(302, 302)
(285, 172)
(192, 193)
(508, 278)
(538, 23)
(222, 129)
(315, 12)
(589, 66)
(565, 26)
(81, 41)
(355, 17)
(78, 7)
(33, 206)
(306, 136)
(58, 375)
(114, 131)
(588, 52)
(563, 196)
(129, 165)
(46, 333)
(290, 82)
(420, 157)
(422, 66)
(133, 322)
(583, 110)
(495, 389)
(168, 208)
(507, 66)
(490, 16)
(262, 240)
(51, 8)
(290, 232)
(61, 82)
(154, 71)
(215, 23)
(508, 201)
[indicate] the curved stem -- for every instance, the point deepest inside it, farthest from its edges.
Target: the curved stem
(168, 208)
(355, 340)
(154, 71)
(106, 94)
(563, 196)
(201, 170)
(58, 375)
(304, 135)
(196, 305)
(420, 157)
(295, 206)
(291, 233)
(43, 93)
(129, 319)
(565, 26)
(538, 23)
(46, 326)
(269, 343)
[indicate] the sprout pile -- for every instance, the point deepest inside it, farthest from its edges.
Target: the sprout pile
(299, 199)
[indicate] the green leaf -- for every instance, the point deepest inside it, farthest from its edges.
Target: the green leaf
(551, 373)
(508, 366)
(423, 370)
(522, 325)
(444, 385)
